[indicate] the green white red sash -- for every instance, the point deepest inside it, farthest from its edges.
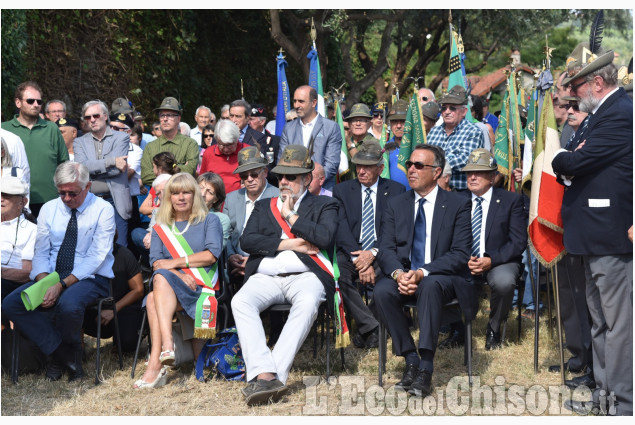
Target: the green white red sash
(206, 306)
(342, 338)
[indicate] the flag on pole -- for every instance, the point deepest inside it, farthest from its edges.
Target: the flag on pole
(315, 79)
(509, 133)
(528, 151)
(545, 220)
(284, 103)
(414, 132)
(382, 142)
(344, 166)
(457, 67)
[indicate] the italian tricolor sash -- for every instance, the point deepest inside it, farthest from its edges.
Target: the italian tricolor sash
(342, 338)
(206, 306)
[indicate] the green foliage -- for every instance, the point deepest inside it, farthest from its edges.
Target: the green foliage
(14, 40)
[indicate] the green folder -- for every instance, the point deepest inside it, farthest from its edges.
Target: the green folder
(33, 296)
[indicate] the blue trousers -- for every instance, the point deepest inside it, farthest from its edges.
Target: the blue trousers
(49, 327)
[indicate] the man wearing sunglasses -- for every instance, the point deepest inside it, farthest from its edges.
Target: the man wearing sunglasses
(456, 136)
(597, 212)
(252, 169)
(423, 254)
(283, 238)
(104, 152)
(74, 238)
(43, 142)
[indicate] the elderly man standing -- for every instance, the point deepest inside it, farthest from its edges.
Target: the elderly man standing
(597, 213)
(283, 238)
(54, 110)
(456, 136)
(222, 158)
(43, 142)
(171, 140)
(104, 152)
(326, 135)
(74, 238)
(397, 120)
(202, 117)
(359, 122)
(252, 170)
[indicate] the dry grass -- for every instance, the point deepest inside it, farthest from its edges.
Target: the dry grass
(184, 395)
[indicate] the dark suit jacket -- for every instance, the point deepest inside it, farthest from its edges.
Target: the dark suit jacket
(317, 223)
(252, 137)
(271, 143)
(349, 194)
(597, 209)
(506, 227)
(451, 240)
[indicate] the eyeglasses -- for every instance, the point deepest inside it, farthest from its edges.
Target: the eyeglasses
(94, 116)
(289, 177)
(451, 108)
(64, 194)
(252, 174)
(126, 128)
(418, 165)
(168, 116)
(30, 101)
(207, 136)
(574, 106)
(577, 86)
(359, 120)
(60, 111)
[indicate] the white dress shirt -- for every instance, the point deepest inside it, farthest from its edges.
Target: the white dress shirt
(307, 129)
(18, 241)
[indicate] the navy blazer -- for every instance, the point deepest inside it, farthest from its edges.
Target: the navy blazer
(451, 241)
(317, 223)
(349, 193)
(597, 209)
(506, 227)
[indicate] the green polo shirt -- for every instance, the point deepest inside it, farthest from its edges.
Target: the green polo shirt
(184, 148)
(45, 150)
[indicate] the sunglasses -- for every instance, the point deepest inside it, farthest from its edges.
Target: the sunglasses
(378, 115)
(574, 106)
(207, 136)
(95, 116)
(446, 107)
(289, 177)
(577, 86)
(247, 174)
(418, 165)
(64, 194)
(31, 101)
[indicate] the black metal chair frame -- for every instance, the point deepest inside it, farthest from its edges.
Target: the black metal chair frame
(383, 344)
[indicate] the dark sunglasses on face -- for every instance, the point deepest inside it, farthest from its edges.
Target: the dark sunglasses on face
(418, 165)
(247, 174)
(289, 177)
(577, 86)
(446, 107)
(207, 136)
(378, 115)
(574, 106)
(95, 116)
(31, 101)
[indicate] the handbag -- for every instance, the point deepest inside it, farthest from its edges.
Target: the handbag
(224, 358)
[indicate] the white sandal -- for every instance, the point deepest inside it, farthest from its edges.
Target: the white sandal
(161, 380)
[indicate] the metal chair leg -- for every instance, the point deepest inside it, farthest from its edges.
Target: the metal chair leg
(469, 351)
(136, 353)
(382, 353)
(98, 343)
(15, 355)
(117, 334)
(327, 324)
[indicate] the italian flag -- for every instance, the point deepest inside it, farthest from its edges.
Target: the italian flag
(545, 220)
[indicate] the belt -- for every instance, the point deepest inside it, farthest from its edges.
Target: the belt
(105, 195)
(288, 274)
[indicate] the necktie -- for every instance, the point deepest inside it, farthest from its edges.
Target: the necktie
(477, 220)
(368, 222)
(66, 255)
(418, 254)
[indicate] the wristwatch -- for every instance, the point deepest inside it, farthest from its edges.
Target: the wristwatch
(63, 284)
(395, 274)
(291, 214)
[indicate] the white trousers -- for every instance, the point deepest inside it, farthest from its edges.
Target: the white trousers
(303, 291)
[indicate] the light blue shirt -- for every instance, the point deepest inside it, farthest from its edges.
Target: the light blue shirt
(95, 234)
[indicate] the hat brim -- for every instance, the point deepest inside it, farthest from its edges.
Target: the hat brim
(249, 166)
(452, 101)
(600, 62)
(351, 116)
(286, 169)
(476, 167)
(397, 117)
(168, 109)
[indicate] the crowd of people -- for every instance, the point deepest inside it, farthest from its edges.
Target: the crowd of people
(97, 199)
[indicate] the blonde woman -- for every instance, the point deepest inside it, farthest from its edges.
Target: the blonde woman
(186, 243)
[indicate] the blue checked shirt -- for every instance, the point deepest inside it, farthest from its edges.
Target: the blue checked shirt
(457, 146)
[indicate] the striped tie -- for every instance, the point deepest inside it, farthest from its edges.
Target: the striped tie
(368, 222)
(477, 220)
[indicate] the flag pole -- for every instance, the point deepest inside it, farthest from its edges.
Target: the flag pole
(536, 294)
(556, 293)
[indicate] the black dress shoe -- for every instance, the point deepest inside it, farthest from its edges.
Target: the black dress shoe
(54, 371)
(422, 385)
(555, 368)
(408, 377)
(579, 381)
(358, 340)
(455, 340)
(75, 371)
(492, 339)
(372, 340)
(586, 408)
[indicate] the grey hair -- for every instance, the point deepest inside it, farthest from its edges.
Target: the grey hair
(46, 108)
(90, 103)
(186, 126)
(244, 104)
(71, 172)
(212, 116)
(161, 178)
(224, 108)
(608, 73)
(447, 170)
(226, 132)
(203, 107)
(7, 161)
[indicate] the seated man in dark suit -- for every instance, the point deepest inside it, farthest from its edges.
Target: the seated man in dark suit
(362, 205)
(424, 249)
(499, 237)
(284, 237)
